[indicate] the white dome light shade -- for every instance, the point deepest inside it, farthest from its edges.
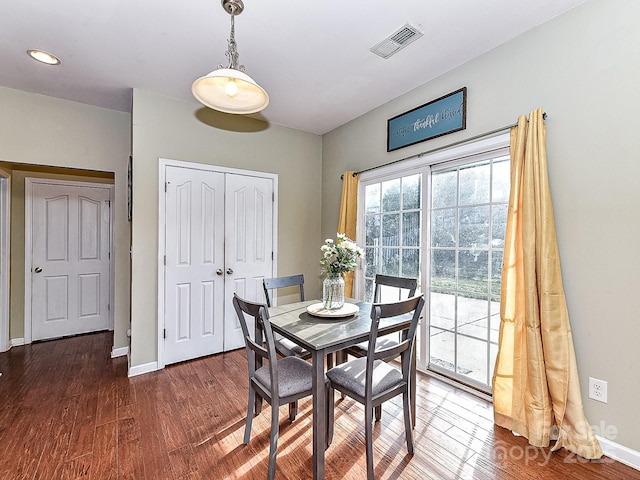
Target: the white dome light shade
(213, 91)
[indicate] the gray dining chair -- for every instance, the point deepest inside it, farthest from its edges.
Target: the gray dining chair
(282, 381)
(284, 346)
(401, 284)
(385, 283)
(372, 380)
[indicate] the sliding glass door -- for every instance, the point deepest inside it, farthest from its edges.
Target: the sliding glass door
(442, 220)
(467, 222)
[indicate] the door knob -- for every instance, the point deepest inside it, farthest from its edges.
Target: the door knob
(219, 271)
(229, 271)
(37, 269)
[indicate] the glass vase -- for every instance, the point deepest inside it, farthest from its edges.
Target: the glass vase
(333, 292)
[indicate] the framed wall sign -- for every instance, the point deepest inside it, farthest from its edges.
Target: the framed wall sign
(439, 117)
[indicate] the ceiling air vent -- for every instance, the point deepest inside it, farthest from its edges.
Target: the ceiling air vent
(397, 41)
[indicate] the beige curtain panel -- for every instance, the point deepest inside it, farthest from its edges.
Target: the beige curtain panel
(348, 216)
(536, 389)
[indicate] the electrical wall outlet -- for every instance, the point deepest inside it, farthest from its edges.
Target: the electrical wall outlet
(598, 390)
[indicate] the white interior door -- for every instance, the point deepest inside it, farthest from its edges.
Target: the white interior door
(248, 245)
(70, 265)
(194, 282)
(218, 237)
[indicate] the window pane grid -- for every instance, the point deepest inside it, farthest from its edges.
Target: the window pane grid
(467, 219)
(392, 229)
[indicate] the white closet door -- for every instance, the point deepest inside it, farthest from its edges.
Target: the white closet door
(194, 282)
(218, 241)
(248, 245)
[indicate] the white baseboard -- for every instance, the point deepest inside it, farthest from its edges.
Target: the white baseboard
(17, 342)
(620, 453)
(119, 352)
(141, 369)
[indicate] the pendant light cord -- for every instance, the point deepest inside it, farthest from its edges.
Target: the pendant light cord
(232, 53)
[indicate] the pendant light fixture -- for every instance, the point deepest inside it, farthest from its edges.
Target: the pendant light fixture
(230, 90)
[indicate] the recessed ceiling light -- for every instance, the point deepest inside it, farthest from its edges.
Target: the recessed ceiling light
(44, 57)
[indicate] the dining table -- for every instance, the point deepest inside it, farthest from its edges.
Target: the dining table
(323, 334)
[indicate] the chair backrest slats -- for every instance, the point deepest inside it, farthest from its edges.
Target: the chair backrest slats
(412, 306)
(282, 282)
(401, 283)
(255, 350)
(391, 352)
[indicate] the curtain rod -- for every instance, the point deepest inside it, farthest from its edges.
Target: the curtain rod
(454, 144)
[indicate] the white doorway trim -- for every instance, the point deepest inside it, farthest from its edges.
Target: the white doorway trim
(29, 182)
(5, 257)
(162, 164)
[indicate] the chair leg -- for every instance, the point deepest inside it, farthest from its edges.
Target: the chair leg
(330, 413)
(293, 411)
(258, 404)
(368, 436)
(378, 411)
(330, 358)
(341, 357)
(273, 445)
(250, 409)
(408, 424)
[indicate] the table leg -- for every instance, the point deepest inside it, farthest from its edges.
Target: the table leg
(319, 415)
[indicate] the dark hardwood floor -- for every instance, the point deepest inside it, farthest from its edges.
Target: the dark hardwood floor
(68, 411)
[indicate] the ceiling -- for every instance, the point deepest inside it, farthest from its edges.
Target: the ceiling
(312, 57)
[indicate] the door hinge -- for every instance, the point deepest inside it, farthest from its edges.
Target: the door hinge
(272, 256)
(108, 306)
(165, 187)
(165, 260)
(273, 196)
(164, 333)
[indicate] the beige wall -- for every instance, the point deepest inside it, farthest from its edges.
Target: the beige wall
(36, 130)
(583, 69)
(178, 130)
